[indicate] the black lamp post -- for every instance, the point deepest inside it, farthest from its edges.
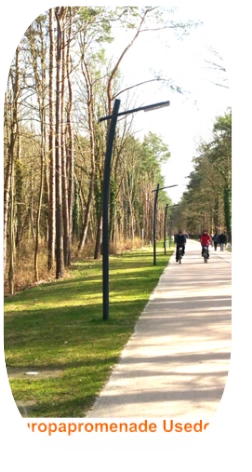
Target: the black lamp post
(106, 184)
(170, 232)
(105, 222)
(155, 220)
(165, 224)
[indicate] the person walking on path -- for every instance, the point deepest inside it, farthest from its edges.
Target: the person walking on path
(205, 240)
(215, 241)
(180, 241)
(222, 240)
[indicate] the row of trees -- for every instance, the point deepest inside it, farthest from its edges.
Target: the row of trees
(207, 201)
(59, 84)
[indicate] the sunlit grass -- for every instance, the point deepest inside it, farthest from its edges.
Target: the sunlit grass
(59, 326)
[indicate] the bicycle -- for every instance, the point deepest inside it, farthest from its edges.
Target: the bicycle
(205, 253)
(180, 249)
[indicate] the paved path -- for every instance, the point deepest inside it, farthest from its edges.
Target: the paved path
(176, 363)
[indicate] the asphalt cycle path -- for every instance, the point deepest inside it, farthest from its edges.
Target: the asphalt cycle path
(176, 363)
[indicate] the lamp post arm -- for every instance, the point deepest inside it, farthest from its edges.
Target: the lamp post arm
(134, 110)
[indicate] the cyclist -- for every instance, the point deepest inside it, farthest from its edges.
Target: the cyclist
(180, 242)
(205, 240)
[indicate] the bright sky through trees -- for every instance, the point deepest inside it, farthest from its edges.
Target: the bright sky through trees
(192, 113)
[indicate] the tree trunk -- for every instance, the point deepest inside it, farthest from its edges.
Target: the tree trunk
(98, 238)
(18, 192)
(31, 207)
(59, 12)
(90, 98)
(70, 147)
(112, 206)
(98, 211)
(51, 215)
(11, 273)
(38, 57)
(227, 211)
(10, 175)
(9, 182)
(65, 208)
(41, 187)
(86, 218)
(7, 186)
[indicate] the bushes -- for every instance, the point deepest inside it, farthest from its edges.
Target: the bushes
(24, 271)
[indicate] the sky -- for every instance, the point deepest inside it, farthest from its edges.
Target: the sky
(191, 115)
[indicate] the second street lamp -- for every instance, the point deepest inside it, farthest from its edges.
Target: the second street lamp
(171, 222)
(170, 231)
(157, 190)
(165, 224)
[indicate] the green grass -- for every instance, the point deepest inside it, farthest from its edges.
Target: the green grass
(59, 326)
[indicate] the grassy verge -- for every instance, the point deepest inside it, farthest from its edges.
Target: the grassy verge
(58, 327)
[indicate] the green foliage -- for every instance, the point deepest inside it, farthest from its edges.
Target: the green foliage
(154, 152)
(96, 22)
(223, 125)
(207, 200)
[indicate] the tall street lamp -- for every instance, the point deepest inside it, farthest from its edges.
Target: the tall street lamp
(157, 190)
(106, 185)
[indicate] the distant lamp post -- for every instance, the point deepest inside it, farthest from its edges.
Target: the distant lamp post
(165, 224)
(171, 223)
(170, 232)
(157, 190)
(106, 184)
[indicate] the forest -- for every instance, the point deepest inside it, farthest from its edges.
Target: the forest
(207, 204)
(60, 83)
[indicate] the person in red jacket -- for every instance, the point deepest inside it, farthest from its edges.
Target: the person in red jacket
(205, 240)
